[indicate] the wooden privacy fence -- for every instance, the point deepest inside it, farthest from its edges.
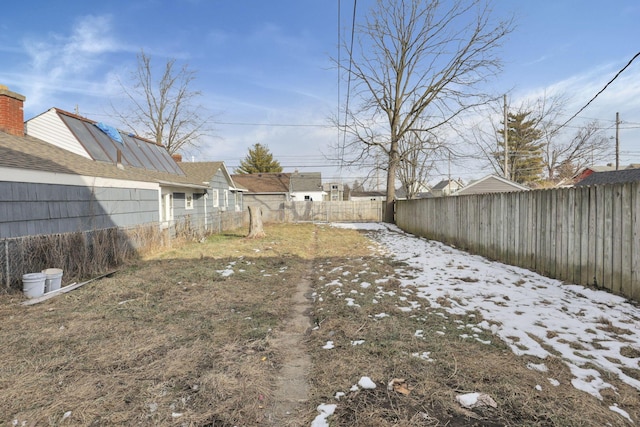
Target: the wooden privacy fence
(583, 235)
(335, 211)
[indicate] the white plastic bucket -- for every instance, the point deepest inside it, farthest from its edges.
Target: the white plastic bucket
(53, 279)
(33, 284)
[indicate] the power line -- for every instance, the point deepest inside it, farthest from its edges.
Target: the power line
(601, 90)
(273, 124)
(346, 107)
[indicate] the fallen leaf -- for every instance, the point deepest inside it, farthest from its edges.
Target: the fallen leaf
(399, 385)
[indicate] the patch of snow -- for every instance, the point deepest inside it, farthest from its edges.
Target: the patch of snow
(554, 382)
(351, 302)
(468, 400)
(540, 367)
(326, 410)
(328, 346)
(339, 395)
(366, 383)
(225, 273)
(624, 413)
(425, 355)
(357, 342)
(365, 285)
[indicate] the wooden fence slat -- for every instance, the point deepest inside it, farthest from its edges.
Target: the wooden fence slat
(607, 247)
(635, 250)
(626, 247)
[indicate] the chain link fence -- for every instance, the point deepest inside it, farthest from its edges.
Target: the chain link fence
(89, 253)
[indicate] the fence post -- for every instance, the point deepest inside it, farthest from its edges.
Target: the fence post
(6, 258)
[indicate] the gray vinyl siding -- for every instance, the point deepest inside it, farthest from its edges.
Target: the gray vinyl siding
(34, 209)
(219, 182)
(179, 210)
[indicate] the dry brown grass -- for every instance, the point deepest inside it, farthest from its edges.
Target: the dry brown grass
(171, 335)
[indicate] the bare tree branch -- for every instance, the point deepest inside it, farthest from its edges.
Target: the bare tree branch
(164, 110)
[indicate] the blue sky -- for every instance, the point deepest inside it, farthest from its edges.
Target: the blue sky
(260, 64)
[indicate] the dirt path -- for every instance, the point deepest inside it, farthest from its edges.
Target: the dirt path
(292, 387)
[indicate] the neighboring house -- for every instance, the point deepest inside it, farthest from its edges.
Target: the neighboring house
(223, 194)
(270, 191)
(334, 191)
(306, 187)
(490, 184)
(585, 172)
(374, 196)
(446, 187)
(67, 175)
(424, 192)
(610, 177)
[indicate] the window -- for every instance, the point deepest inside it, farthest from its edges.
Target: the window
(188, 201)
(334, 186)
(308, 199)
(215, 198)
(226, 198)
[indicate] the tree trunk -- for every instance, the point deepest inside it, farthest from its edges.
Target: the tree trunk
(256, 230)
(389, 214)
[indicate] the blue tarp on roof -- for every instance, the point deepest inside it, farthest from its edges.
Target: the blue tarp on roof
(111, 131)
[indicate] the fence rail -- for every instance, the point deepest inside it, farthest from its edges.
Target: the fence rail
(584, 235)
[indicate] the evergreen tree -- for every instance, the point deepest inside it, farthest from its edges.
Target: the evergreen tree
(525, 147)
(259, 160)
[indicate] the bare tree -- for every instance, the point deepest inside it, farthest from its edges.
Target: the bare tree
(416, 61)
(417, 161)
(564, 156)
(563, 153)
(164, 109)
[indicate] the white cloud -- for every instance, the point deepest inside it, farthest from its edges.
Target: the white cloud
(75, 63)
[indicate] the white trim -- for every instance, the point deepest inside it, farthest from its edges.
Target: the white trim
(188, 201)
(40, 177)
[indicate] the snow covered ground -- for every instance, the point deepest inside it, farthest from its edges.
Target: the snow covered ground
(532, 314)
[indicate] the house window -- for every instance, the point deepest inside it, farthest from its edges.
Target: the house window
(308, 199)
(334, 186)
(226, 198)
(215, 198)
(188, 201)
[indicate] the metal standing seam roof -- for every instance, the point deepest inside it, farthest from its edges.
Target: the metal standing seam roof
(135, 151)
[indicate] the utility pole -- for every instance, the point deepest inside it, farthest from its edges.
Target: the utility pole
(506, 140)
(617, 141)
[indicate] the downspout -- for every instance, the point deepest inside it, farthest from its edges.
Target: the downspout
(206, 197)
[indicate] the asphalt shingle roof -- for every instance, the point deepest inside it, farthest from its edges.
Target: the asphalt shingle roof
(610, 177)
(263, 182)
(25, 152)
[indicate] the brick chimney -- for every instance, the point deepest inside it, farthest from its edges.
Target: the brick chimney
(11, 113)
(177, 157)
